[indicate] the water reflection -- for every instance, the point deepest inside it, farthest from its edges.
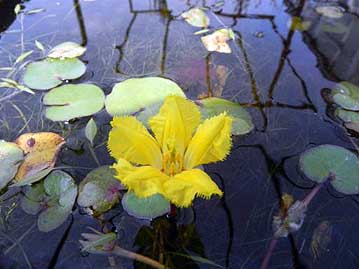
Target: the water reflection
(274, 75)
(334, 41)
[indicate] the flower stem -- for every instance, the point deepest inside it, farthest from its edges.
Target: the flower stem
(307, 199)
(272, 246)
(173, 211)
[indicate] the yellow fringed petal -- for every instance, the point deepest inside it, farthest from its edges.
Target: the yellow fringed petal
(184, 187)
(130, 140)
(174, 125)
(144, 180)
(211, 143)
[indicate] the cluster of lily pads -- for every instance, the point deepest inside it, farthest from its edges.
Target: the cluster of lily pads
(346, 96)
(29, 162)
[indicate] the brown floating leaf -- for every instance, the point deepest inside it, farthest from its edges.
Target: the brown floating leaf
(41, 152)
(217, 41)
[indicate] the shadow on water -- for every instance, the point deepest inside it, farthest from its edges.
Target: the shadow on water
(275, 71)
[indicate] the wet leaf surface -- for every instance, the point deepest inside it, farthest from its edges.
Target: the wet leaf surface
(73, 101)
(135, 94)
(145, 208)
(100, 190)
(53, 198)
(49, 73)
(346, 95)
(350, 118)
(40, 150)
(328, 160)
(213, 106)
(11, 157)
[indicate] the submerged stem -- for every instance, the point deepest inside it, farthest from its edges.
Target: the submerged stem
(118, 251)
(307, 199)
(267, 257)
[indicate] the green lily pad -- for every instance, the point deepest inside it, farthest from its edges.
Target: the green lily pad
(328, 160)
(10, 159)
(350, 118)
(53, 198)
(242, 120)
(49, 73)
(99, 190)
(135, 94)
(347, 115)
(145, 208)
(52, 218)
(61, 191)
(73, 101)
(346, 95)
(148, 112)
(33, 196)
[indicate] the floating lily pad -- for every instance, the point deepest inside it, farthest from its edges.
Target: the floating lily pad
(148, 112)
(41, 151)
(350, 118)
(53, 198)
(333, 12)
(135, 94)
(145, 208)
(99, 190)
(242, 120)
(196, 17)
(33, 196)
(328, 160)
(67, 50)
(73, 101)
(10, 159)
(346, 95)
(49, 73)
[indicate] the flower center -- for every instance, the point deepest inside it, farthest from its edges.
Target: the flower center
(172, 162)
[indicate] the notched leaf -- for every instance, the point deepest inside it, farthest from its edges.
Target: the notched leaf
(41, 150)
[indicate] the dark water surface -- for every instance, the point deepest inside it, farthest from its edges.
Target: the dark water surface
(278, 73)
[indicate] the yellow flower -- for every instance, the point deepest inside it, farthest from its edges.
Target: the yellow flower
(166, 162)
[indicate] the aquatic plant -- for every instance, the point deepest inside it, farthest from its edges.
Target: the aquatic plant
(325, 164)
(168, 160)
